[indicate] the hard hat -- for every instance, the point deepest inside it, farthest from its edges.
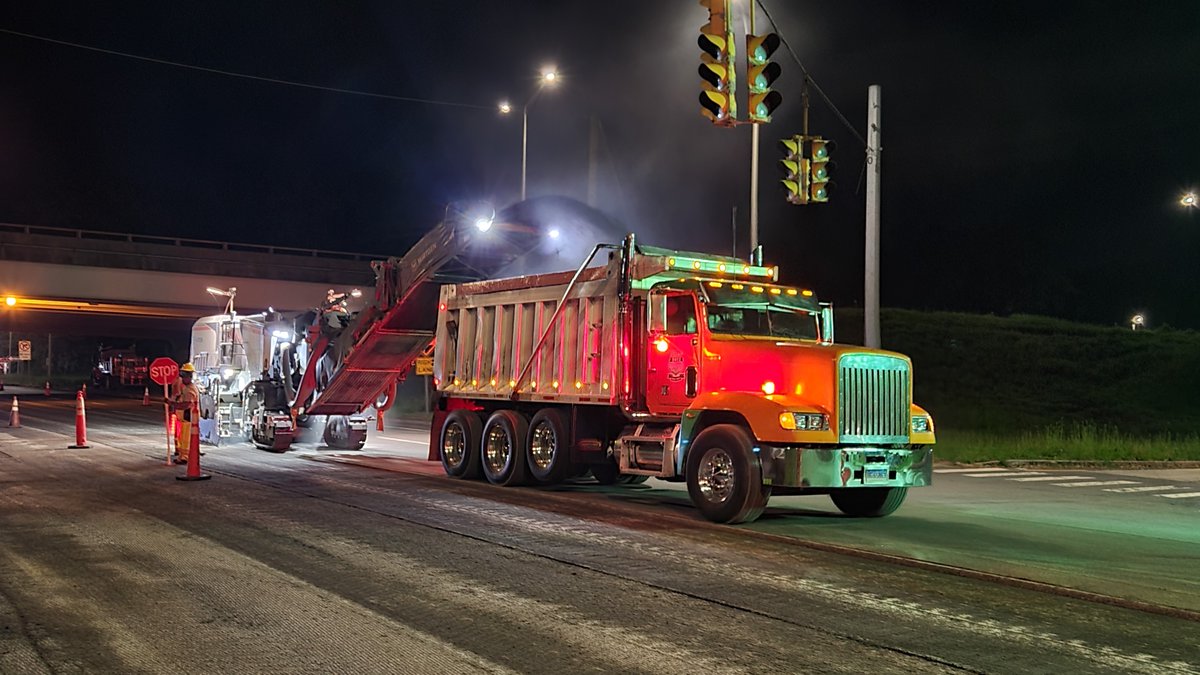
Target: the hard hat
(187, 368)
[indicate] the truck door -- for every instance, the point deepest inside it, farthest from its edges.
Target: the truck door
(673, 346)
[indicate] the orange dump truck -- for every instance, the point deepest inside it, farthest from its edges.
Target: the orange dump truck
(680, 366)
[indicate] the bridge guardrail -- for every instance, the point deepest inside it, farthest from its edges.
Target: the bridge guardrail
(183, 242)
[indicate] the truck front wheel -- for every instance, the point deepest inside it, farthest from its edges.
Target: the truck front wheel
(503, 450)
(459, 444)
(868, 502)
(724, 477)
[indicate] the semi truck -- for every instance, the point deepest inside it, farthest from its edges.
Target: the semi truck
(686, 367)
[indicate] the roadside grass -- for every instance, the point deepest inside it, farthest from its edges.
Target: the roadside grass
(1077, 442)
(1031, 387)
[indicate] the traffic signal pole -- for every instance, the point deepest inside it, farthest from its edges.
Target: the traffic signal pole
(753, 162)
(871, 290)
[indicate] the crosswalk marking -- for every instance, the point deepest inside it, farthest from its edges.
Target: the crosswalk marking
(1005, 474)
(1146, 488)
(980, 470)
(1096, 483)
(1037, 478)
(1180, 495)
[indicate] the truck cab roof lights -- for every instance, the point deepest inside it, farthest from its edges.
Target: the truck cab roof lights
(719, 267)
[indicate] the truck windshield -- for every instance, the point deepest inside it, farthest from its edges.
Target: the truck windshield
(745, 311)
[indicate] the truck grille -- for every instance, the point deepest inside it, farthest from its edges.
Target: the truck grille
(873, 399)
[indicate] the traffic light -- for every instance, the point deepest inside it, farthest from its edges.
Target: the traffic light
(819, 169)
(760, 73)
(796, 170)
(717, 100)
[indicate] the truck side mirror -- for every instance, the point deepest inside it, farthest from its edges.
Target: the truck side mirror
(827, 322)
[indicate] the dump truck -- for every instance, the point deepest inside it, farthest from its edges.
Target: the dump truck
(685, 367)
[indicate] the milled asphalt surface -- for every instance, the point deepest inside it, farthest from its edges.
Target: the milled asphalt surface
(285, 564)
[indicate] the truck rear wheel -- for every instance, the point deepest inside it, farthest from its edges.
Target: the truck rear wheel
(459, 444)
(724, 477)
(549, 454)
(868, 502)
(503, 450)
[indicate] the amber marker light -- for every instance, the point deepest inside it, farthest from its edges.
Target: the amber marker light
(768, 387)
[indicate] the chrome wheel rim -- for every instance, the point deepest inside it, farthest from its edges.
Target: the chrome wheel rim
(454, 445)
(716, 476)
(496, 449)
(541, 446)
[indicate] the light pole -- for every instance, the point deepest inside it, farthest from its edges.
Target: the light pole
(549, 77)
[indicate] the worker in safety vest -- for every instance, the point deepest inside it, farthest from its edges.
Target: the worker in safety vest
(184, 399)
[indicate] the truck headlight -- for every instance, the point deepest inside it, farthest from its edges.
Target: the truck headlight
(804, 421)
(921, 424)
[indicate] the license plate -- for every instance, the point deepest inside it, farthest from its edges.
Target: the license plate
(875, 474)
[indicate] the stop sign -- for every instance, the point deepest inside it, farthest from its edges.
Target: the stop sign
(164, 371)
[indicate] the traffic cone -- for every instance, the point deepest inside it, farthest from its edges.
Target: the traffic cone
(379, 421)
(146, 396)
(193, 458)
(80, 425)
(47, 390)
(14, 417)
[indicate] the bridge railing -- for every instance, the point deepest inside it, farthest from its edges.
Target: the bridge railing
(182, 242)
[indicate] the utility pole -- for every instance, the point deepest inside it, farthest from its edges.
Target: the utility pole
(874, 152)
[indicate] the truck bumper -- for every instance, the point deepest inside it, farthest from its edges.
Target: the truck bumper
(846, 467)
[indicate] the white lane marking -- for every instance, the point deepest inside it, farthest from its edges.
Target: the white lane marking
(1096, 483)
(1180, 495)
(403, 440)
(968, 470)
(1005, 474)
(1146, 488)
(1054, 478)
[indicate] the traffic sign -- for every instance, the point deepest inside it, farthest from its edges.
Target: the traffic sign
(424, 365)
(24, 350)
(164, 371)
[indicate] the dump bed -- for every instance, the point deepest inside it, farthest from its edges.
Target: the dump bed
(488, 337)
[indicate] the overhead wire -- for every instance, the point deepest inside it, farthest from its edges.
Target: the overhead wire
(809, 78)
(246, 76)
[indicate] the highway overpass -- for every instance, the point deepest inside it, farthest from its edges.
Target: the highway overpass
(70, 280)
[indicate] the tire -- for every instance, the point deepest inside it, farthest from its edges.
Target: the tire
(633, 479)
(502, 451)
(868, 502)
(724, 477)
(458, 444)
(549, 453)
(340, 436)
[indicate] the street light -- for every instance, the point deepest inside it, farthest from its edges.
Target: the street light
(1188, 200)
(549, 78)
(1137, 321)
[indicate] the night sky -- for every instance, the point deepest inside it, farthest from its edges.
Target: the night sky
(1034, 152)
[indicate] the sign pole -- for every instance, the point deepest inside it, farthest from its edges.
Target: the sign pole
(167, 424)
(164, 371)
